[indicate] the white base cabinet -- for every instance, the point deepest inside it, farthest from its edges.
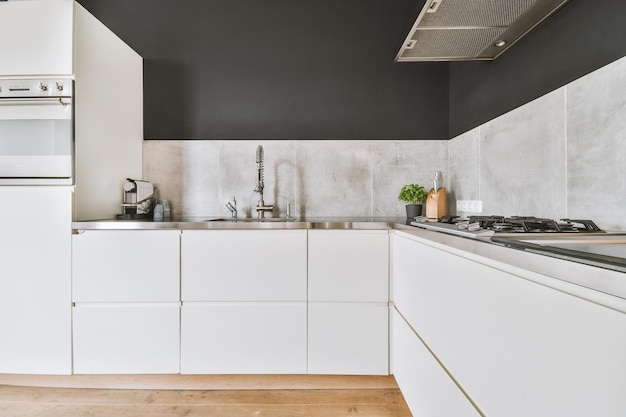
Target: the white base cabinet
(244, 301)
(427, 389)
(35, 280)
(517, 348)
(348, 338)
(127, 338)
(348, 302)
(244, 338)
(126, 293)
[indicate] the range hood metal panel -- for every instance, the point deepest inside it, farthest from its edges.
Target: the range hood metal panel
(460, 30)
(449, 44)
(476, 13)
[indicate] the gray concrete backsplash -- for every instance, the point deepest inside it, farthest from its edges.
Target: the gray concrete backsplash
(561, 155)
(319, 178)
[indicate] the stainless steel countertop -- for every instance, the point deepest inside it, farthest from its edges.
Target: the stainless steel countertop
(217, 223)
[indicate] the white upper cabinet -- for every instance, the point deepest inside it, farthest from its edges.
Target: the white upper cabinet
(37, 37)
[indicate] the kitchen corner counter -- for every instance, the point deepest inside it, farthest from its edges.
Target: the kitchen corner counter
(217, 223)
(593, 283)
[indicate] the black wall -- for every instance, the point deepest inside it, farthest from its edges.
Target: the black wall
(323, 69)
(280, 69)
(581, 37)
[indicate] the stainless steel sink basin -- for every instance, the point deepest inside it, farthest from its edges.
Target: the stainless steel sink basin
(251, 219)
(297, 223)
(332, 225)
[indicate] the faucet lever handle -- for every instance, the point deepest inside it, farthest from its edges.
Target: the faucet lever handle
(232, 207)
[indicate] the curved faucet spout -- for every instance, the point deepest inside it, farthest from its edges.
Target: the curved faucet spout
(261, 208)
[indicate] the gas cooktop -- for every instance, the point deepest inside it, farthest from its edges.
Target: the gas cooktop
(485, 226)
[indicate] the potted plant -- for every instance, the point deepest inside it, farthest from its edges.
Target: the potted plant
(414, 195)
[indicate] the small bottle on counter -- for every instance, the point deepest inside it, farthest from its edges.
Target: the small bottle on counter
(158, 212)
(166, 209)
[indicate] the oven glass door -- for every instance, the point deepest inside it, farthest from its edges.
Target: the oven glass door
(36, 139)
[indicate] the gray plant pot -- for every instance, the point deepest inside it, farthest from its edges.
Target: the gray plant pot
(413, 210)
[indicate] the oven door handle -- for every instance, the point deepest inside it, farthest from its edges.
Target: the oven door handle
(31, 101)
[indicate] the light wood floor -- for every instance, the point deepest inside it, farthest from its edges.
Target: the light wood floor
(190, 396)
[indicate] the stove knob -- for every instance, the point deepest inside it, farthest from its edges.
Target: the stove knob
(43, 87)
(59, 87)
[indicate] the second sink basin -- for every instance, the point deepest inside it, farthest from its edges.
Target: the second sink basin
(251, 219)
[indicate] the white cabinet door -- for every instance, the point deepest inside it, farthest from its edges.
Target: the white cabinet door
(348, 338)
(244, 301)
(244, 265)
(349, 265)
(348, 302)
(243, 338)
(37, 37)
(120, 266)
(126, 289)
(501, 335)
(126, 338)
(35, 280)
(427, 388)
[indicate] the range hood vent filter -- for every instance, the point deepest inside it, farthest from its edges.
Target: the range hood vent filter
(453, 30)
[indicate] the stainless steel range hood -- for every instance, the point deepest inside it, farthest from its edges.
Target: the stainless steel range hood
(461, 30)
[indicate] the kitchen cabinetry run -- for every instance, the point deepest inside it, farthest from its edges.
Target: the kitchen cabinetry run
(35, 280)
(348, 302)
(126, 294)
(516, 347)
(244, 300)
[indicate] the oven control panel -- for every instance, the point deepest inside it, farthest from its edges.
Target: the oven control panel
(32, 88)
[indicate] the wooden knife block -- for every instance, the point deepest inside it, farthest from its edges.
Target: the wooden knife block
(436, 203)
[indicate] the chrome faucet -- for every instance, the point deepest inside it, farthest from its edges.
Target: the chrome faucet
(232, 207)
(261, 208)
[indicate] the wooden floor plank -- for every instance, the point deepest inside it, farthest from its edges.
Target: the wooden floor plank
(21, 401)
(98, 396)
(151, 411)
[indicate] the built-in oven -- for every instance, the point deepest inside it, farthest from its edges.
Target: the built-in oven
(36, 131)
